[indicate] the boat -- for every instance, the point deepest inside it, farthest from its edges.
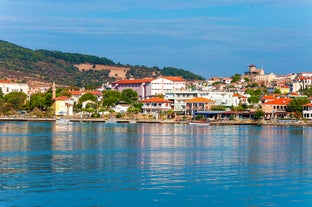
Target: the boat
(111, 121)
(62, 121)
(199, 122)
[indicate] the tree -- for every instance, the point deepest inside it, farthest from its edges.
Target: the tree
(259, 114)
(16, 99)
(129, 96)
(296, 106)
(37, 100)
(110, 98)
(307, 91)
(235, 78)
(1, 94)
(253, 99)
(87, 97)
(277, 90)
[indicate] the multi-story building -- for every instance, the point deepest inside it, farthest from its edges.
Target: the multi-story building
(276, 107)
(301, 82)
(149, 87)
(164, 84)
(198, 104)
(7, 86)
(227, 99)
(141, 86)
(155, 105)
(307, 111)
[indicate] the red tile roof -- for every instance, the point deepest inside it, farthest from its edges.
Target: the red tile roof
(174, 78)
(156, 100)
(5, 81)
(278, 101)
(135, 81)
(98, 93)
(308, 105)
(239, 95)
(199, 100)
(269, 97)
(61, 98)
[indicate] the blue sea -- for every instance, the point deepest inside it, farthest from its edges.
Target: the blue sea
(117, 164)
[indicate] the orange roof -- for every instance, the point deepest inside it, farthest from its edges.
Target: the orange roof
(279, 101)
(156, 100)
(269, 97)
(309, 105)
(239, 95)
(84, 92)
(5, 81)
(61, 98)
(135, 81)
(173, 78)
(199, 100)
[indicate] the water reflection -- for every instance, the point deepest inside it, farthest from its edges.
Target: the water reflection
(251, 163)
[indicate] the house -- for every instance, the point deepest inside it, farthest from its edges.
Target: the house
(63, 106)
(276, 107)
(198, 104)
(75, 95)
(307, 111)
(155, 105)
(121, 108)
(239, 99)
(7, 86)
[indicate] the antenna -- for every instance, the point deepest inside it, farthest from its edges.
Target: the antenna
(261, 63)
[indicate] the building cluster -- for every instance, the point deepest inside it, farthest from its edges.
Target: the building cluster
(189, 98)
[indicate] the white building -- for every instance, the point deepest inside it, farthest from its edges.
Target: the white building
(227, 99)
(165, 84)
(307, 112)
(7, 86)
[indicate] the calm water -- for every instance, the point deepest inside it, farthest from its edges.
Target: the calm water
(102, 164)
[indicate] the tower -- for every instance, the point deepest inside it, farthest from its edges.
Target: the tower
(53, 90)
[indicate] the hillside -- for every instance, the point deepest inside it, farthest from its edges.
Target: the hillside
(23, 64)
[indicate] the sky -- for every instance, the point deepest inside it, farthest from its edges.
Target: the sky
(207, 37)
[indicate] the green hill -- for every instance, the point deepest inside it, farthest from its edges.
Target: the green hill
(25, 65)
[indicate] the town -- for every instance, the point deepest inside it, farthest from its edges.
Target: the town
(253, 95)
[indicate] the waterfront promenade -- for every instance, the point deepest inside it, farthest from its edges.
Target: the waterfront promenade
(167, 121)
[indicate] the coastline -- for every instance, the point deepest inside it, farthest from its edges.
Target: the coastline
(212, 123)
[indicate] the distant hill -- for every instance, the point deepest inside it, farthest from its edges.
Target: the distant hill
(73, 69)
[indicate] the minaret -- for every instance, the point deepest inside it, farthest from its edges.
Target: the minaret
(53, 91)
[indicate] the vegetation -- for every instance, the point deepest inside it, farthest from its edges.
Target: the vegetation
(129, 96)
(254, 95)
(296, 106)
(170, 71)
(235, 78)
(259, 114)
(47, 66)
(307, 91)
(218, 108)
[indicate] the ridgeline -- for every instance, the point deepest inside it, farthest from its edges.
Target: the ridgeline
(72, 69)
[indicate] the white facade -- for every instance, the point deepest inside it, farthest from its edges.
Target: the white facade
(307, 112)
(162, 85)
(121, 108)
(14, 87)
(221, 98)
